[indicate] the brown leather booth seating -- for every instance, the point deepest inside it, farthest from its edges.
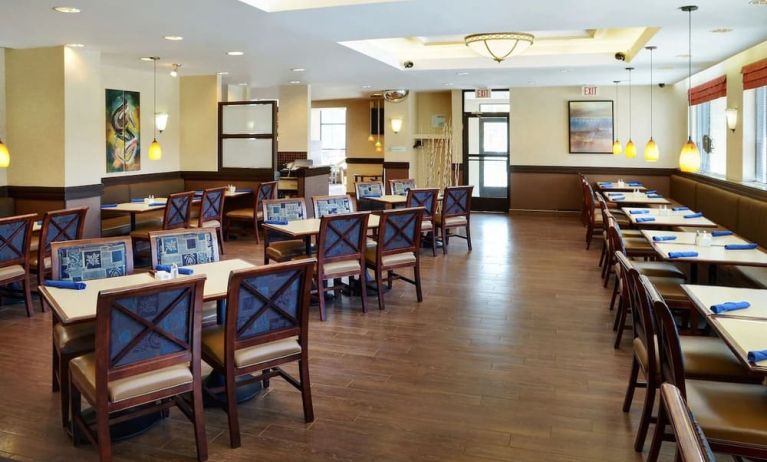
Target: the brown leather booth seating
(743, 215)
(119, 225)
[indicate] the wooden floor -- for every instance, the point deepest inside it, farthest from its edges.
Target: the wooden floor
(509, 358)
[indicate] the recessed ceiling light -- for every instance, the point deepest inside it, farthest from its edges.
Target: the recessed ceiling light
(235, 53)
(298, 69)
(461, 73)
(367, 86)
(721, 30)
(222, 73)
(294, 82)
(174, 38)
(66, 9)
(75, 45)
(146, 58)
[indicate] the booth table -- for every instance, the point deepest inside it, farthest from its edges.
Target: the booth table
(668, 220)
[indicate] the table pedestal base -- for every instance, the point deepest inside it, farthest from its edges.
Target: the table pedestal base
(244, 392)
(128, 429)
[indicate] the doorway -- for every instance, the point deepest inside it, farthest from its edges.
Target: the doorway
(486, 159)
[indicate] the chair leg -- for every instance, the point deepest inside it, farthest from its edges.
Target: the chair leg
(75, 408)
(623, 309)
(443, 229)
(433, 243)
(55, 384)
(65, 398)
(617, 314)
(306, 389)
(220, 236)
(379, 287)
(468, 236)
(321, 296)
(615, 294)
(364, 290)
(226, 225)
(589, 235)
(602, 255)
(657, 438)
(265, 382)
(27, 295)
(389, 279)
(255, 231)
(200, 436)
(337, 290)
(103, 437)
(417, 276)
(629, 398)
(231, 412)
(644, 422)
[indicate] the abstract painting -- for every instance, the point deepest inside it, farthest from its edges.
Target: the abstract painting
(123, 124)
(591, 127)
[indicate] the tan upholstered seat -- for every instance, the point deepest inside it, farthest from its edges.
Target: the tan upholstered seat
(83, 371)
(285, 250)
(670, 288)
(213, 346)
(658, 269)
(631, 233)
(207, 224)
(33, 261)
(390, 260)
(637, 244)
(757, 275)
(451, 221)
(75, 338)
(729, 411)
(11, 272)
(426, 225)
(620, 218)
(704, 357)
(339, 267)
(244, 214)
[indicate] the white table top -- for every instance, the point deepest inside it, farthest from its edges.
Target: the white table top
(636, 198)
(310, 226)
(672, 219)
(393, 199)
(688, 238)
(713, 254)
(742, 335)
(706, 296)
(614, 186)
(80, 305)
(36, 227)
(137, 207)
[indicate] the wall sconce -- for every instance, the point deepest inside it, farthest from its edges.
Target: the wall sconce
(161, 120)
(396, 124)
(732, 118)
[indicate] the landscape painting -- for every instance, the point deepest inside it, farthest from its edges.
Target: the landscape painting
(591, 127)
(123, 125)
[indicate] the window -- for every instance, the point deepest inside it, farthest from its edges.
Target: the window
(761, 134)
(709, 131)
(329, 128)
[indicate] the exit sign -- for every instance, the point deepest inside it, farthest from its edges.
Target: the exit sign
(483, 93)
(592, 90)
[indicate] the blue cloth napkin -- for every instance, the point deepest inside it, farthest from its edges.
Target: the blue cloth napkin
(243, 190)
(680, 209)
(740, 246)
(756, 356)
(137, 200)
(729, 306)
(682, 254)
(198, 193)
(634, 183)
(663, 238)
(276, 222)
(156, 204)
(605, 183)
(108, 206)
(694, 215)
(181, 270)
(651, 191)
(617, 197)
(654, 196)
(638, 212)
(645, 219)
(721, 233)
(75, 285)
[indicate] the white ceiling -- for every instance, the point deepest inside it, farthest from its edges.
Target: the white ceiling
(276, 42)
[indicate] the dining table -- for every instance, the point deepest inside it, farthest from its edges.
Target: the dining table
(620, 186)
(307, 228)
(665, 218)
(635, 198)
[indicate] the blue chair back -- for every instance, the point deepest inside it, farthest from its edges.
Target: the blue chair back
(15, 237)
(400, 230)
(401, 187)
(61, 225)
(368, 190)
(178, 210)
(426, 198)
(212, 205)
(342, 237)
(266, 191)
(183, 247)
(332, 205)
(457, 201)
(292, 209)
(88, 259)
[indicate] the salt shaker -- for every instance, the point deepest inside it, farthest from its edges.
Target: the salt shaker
(173, 271)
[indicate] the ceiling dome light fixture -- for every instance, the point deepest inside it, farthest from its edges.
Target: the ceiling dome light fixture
(235, 53)
(395, 96)
(499, 45)
(173, 38)
(631, 149)
(689, 156)
(617, 145)
(651, 152)
(66, 9)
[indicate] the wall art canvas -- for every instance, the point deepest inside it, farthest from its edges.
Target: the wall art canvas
(591, 127)
(123, 125)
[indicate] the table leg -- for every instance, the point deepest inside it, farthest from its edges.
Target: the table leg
(133, 222)
(308, 244)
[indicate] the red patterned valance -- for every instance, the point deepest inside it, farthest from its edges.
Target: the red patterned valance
(755, 75)
(709, 91)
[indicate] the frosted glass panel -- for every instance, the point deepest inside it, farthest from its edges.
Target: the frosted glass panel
(246, 153)
(255, 119)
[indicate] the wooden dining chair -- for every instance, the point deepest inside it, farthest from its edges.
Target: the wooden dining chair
(15, 240)
(428, 198)
(57, 225)
(332, 205)
(277, 247)
(341, 246)
(266, 326)
(691, 443)
(147, 356)
(399, 242)
(400, 187)
(455, 214)
(186, 247)
(368, 189)
(264, 192)
(212, 213)
(178, 214)
(81, 260)
(732, 416)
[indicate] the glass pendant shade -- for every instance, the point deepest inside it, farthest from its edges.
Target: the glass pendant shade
(499, 45)
(379, 148)
(155, 150)
(689, 158)
(617, 147)
(378, 144)
(631, 150)
(371, 138)
(651, 153)
(5, 156)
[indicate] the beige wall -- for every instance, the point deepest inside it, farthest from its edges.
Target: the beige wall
(167, 101)
(3, 131)
(539, 126)
(83, 117)
(198, 105)
(35, 116)
(430, 103)
(295, 114)
(357, 126)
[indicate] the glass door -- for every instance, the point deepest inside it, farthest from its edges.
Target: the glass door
(486, 160)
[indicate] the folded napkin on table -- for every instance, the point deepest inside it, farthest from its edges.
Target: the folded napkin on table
(721, 233)
(757, 356)
(276, 222)
(638, 212)
(680, 209)
(694, 215)
(156, 204)
(75, 285)
(108, 206)
(683, 254)
(634, 183)
(749, 246)
(616, 197)
(181, 270)
(645, 219)
(605, 183)
(663, 238)
(137, 200)
(729, 306)
(651, 191)
(654, 196)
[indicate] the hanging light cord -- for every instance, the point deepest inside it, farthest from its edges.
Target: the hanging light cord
(629, 69)
(689, 73)
(650, 93)
(154, 95)
(617, 107)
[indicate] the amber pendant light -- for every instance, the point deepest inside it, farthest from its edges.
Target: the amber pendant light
(689, 157)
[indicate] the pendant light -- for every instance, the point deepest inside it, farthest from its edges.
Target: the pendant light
(689, 157)
(371, 138)
(155, 150)
(379, 127)
(631, 149)
(5, 156)
(651, 153)
(617, 146)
